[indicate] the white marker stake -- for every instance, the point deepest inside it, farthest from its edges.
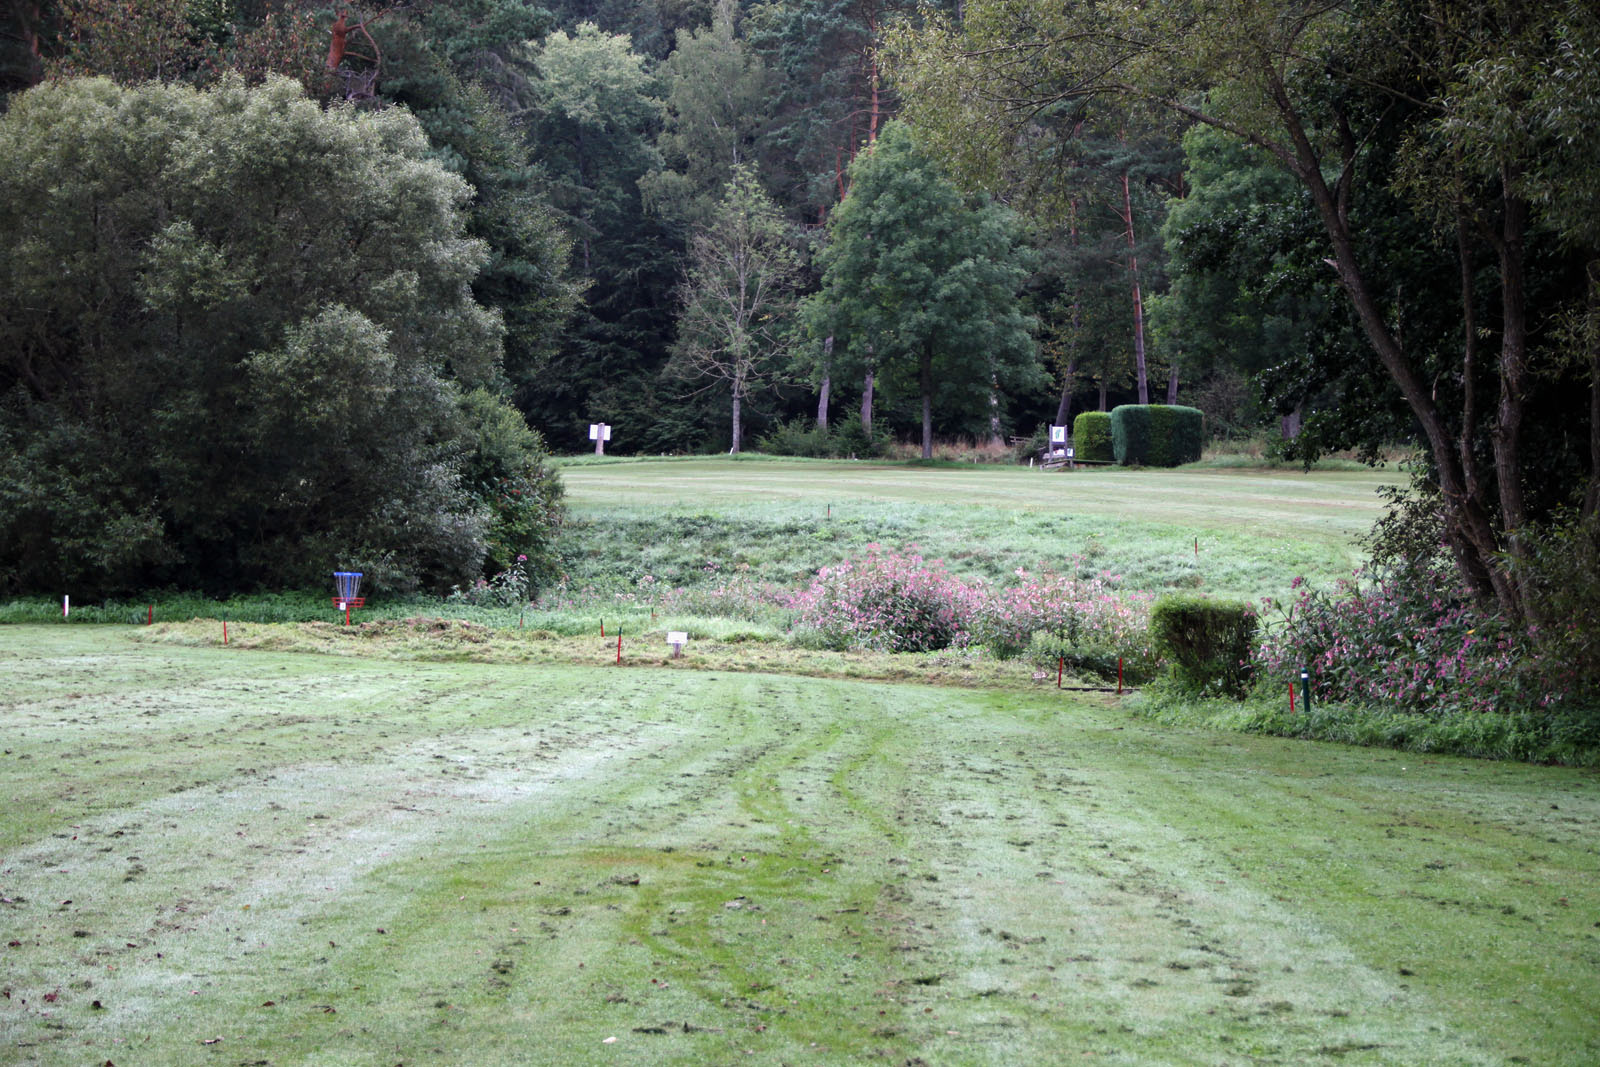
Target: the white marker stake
(677, 639)
(66, 606)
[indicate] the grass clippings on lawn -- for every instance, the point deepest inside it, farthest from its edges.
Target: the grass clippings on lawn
(231, 855)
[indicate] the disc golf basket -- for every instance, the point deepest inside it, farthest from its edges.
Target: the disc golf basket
(348, 595)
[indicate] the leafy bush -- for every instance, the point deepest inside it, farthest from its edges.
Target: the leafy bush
(803, 437)
(1206, 643)
(508, 589)
(1156, 435)
(1076, 610)
(509, 473)
(886, 601)
(1177, 435)
(1411, 639)
(202, 387)
(1560, 570)
(1091, 437)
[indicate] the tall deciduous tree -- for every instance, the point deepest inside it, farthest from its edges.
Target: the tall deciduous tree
(738, 294)
(235, 334)
(1347, 97)
(924, 285)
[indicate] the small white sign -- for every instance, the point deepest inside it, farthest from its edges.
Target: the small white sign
(1058, 435)
(1069, 453)
(599, 431)
(677, 637)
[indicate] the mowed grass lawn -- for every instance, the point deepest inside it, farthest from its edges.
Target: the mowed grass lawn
(1234, 532)
(223, 856)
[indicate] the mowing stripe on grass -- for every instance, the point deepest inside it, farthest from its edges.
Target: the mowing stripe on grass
(325, 859)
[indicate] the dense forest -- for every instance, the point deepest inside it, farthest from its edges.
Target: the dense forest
(807, 224)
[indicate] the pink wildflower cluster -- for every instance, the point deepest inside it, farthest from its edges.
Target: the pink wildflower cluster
(1075, 609)
(900, 602)
(888, 601)
(1408, 639)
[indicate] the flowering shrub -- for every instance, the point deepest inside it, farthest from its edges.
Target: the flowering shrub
(1086, 611)
(899, 602)
(1407, 638)
(887, 601)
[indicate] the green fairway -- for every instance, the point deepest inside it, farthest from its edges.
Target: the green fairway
(1320, 505)
(220, 856)
(1234, 532)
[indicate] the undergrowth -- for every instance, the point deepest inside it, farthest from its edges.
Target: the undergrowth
(1527, 736)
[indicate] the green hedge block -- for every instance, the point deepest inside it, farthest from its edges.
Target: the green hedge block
(1130, 434)
(1207, 643)
(1091, 437)
(1156, 435)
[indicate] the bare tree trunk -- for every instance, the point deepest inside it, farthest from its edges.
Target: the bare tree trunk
(738, 429)
(1103, 387)
(927, 402)
(1069, 380)
(1591, 343)
(827, 382)
(1513, 368)
(1469, 360)
(1172, 384)
(1469, 527)
(996, 438)
(1138, 301)
(866, 405)
(1064, 408)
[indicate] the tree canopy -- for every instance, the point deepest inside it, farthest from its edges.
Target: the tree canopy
(921, 286)
(235, 334)
(1421, 136)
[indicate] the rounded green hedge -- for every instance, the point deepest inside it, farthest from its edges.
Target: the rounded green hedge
(1091, 437)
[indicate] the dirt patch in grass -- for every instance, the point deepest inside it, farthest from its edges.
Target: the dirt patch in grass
(455, 640)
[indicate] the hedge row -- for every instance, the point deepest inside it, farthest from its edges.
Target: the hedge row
(1156, 435)
(1091, 437)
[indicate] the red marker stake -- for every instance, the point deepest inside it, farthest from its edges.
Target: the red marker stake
(149, 614)
(1291, 698)
(1061, 663)
(619, 650)
(224, 631)
(602, 627)
(1119, 676)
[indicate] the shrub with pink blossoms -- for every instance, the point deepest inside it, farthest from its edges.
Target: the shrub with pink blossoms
(1409, 639)
(888, 601)
(1074, 610)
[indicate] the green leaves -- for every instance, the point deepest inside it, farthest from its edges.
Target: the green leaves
(922, 285)
(232, 328)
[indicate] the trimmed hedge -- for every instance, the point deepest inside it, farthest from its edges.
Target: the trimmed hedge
(1156, 435)
(1206, 642)
(1091, 437)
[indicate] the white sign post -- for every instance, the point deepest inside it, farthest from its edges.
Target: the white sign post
(677, 639)
(599, 433)
(1058, 440)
